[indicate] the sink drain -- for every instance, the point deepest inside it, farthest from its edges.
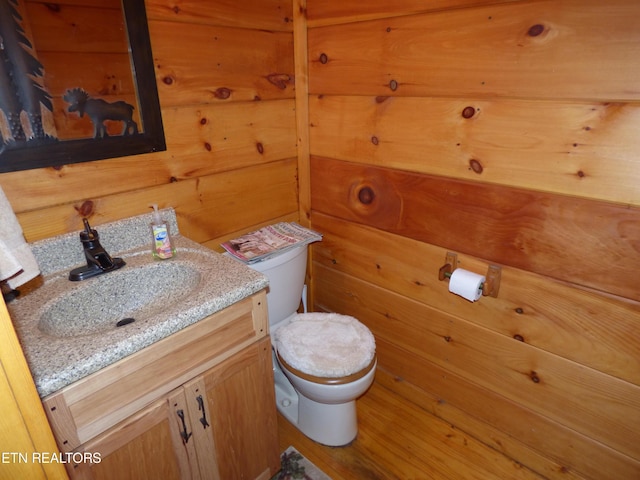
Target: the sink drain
(125, 321)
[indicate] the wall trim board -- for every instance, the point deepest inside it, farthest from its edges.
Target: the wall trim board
(264, 15)
(534, 49)
(347, 11)
(537, 310)
(205, 66)
(585, 149)
(597, 405)
(207, 207)
(580, 241)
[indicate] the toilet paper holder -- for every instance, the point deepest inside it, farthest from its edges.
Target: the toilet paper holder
(491, 285)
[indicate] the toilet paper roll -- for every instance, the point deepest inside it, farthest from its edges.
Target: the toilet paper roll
(466, 284)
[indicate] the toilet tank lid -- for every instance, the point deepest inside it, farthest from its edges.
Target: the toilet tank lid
(278, 258)
(326, 344)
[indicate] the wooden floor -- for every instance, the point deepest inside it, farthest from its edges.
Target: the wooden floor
(399, 440)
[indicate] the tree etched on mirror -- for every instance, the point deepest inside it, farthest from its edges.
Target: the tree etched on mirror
(21, 96)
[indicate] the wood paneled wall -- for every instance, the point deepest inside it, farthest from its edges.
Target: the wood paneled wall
(225, 75)
(504, 131)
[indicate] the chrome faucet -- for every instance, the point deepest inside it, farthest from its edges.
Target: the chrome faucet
(98, 260)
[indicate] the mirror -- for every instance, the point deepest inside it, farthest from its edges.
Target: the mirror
(77, 83)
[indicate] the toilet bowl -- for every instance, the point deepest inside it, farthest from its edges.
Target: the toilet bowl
(322, 362)
(330, 361)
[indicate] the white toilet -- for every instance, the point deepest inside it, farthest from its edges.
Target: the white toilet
(322, 361)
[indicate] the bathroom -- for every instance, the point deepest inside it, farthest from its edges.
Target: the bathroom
(502, 131)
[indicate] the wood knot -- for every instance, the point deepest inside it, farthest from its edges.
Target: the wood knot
(260, 148)
(535, 30)
(393, 85)
(468, 112)
(534, 377)
(207, 146)
(86, 209)
(280, 80)
(323, 58)
(366, 195)
(375, 140)
(476, 166)
(519, 337)
(222, 93)
(167, 80)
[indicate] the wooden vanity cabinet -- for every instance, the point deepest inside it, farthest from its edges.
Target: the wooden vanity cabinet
(143, 446)
(232, 411)
(219, 422)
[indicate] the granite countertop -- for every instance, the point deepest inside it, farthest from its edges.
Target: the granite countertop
(203, 282)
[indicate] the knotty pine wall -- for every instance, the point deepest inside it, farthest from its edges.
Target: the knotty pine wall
(507, 132)
(225, 75)
(502, 130)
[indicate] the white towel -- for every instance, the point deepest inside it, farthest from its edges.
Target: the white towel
(17, 263)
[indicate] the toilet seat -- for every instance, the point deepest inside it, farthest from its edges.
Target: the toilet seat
(326, 346)
(327, 380)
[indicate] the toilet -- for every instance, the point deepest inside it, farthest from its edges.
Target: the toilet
(322, 362)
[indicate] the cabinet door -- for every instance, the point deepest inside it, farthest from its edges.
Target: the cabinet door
(234, 404)
(150, 444)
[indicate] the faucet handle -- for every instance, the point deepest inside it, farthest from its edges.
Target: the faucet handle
(98, 260)
(89, 233)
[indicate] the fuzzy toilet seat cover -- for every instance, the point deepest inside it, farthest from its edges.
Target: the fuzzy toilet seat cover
(325, 344)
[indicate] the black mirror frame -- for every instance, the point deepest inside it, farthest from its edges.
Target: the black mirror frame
(150, 140)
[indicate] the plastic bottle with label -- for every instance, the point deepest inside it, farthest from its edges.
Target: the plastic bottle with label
(162, 248)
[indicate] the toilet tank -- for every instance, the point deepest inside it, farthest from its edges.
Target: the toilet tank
(286, 272)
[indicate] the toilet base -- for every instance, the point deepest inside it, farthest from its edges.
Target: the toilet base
(286, 397)
(334, 425)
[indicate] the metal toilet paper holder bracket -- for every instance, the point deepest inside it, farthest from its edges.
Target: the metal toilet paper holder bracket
(491, 285)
